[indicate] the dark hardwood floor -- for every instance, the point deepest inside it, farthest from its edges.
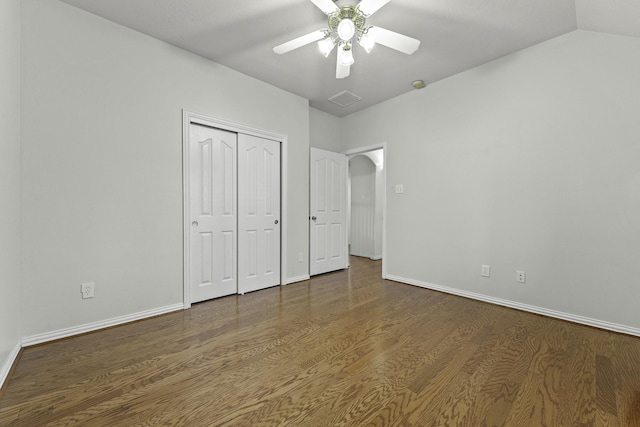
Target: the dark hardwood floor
(343, 349)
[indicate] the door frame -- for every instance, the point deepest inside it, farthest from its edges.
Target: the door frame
(189, 117)
(361, 150)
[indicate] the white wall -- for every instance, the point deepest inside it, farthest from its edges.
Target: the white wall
(529, 162)
(324, 131)
(9, 183)
(102, 163)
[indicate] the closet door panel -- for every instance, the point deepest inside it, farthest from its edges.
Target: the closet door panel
(258, 213)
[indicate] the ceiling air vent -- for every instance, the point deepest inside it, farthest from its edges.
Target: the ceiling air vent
(345, 98)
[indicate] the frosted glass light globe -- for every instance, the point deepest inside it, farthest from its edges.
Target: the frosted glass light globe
(346, 29)
(346, 57)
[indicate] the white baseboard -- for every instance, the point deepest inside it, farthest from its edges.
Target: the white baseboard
(90, 327)
(524, 307)
(297, 279)
(376, 257)
(6, 366)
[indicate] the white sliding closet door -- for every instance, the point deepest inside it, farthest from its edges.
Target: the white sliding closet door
(234, 213)
(258, 213)
(212, 206)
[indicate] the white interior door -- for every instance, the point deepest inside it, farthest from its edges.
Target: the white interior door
(212, 207)
(328, 211)
(258, 213)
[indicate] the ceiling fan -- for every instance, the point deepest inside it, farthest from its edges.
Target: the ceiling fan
(348, 24)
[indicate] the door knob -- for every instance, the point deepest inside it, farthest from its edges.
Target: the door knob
(275, 222)
(313, 218)
(194, 224)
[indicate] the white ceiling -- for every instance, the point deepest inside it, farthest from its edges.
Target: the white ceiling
(456, 35)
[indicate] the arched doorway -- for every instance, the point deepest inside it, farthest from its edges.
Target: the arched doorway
(366, 200)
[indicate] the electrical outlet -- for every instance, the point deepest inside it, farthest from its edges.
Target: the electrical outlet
(520, 276)
(399, 188)
(486, 271)
(88, 290)
(300, 256)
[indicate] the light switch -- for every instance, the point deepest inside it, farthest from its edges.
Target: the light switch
(399, 188)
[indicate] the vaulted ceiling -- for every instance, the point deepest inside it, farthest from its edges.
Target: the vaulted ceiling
(455, 35)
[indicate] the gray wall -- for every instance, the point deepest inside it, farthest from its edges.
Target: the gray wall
(529, 162)
(102, 163)
(325, 131)
(9, 182)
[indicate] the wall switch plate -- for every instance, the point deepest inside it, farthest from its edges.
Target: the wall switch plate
(520, 276)
(88, 290)
(399, 188)
(486, 271)
(300, 256)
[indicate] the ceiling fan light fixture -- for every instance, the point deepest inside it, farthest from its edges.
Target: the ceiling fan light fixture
(346, 55)
(346, 25)
(346, 29)
(367, 41)
(326, 46)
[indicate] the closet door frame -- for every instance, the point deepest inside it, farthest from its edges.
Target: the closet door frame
(189, 117)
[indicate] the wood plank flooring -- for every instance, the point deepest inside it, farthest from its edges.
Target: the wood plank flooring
(343, 349)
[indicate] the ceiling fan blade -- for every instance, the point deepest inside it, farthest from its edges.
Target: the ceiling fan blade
(369, 7)
(299, 42)
(327, 6)
(342, 71)
(394, 40)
